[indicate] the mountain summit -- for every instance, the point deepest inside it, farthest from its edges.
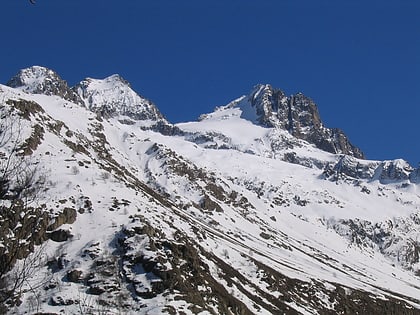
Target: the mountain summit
(113, 96)
(41, 80)
(109, 97)
(256, 208)
(299, 115)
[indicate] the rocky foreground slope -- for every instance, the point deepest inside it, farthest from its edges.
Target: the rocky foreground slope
(257, 208)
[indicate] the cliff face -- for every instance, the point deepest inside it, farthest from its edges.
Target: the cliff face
(299, 115)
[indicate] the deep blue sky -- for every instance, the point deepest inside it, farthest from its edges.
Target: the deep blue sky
(359, 60)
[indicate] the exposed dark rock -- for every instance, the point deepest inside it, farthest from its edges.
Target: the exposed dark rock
(75, 275)
(26, 108)
(95, 290)
(67, 216)
(57, 263)
(60, 301)
(165, 128)
(24, 224)
(207, 203)
(60, 235)
(35, 139)
(299, 115)
(187, 273)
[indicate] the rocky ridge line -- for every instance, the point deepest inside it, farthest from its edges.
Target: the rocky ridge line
(299, 115)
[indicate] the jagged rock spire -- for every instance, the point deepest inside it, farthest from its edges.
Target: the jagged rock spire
(299, 115)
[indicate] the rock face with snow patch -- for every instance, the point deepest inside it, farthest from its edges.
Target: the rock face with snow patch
(299, 115)
(348, 167)
(396, 170)
(40, 80)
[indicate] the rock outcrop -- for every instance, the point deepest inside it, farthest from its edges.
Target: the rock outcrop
(299, 115)
(40, 80)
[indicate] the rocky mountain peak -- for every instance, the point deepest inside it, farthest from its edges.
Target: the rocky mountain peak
(41, 80)
(31, 78)
(299, 115)
(113, 96)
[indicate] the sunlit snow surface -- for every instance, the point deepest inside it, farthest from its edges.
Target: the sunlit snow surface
(295, 237)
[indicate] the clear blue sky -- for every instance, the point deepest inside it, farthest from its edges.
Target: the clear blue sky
(359, 60)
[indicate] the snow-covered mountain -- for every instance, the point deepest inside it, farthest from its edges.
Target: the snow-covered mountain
(40, 80)
(256, 208)
(113, 96)
(297, 114)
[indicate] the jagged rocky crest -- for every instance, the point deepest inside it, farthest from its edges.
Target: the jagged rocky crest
(299, 115)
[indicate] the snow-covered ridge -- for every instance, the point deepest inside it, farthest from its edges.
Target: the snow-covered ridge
(114, 96)
(111, 96)
(40, 80)
(30, 79)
